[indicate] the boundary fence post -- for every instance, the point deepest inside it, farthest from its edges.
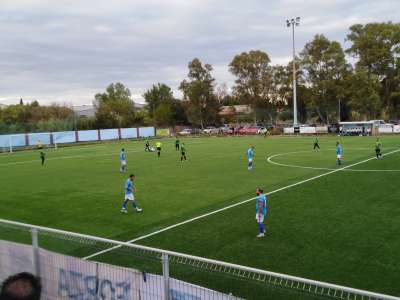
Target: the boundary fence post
(35, 251)
(165, 270)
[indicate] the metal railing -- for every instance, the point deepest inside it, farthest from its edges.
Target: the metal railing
(306, 288)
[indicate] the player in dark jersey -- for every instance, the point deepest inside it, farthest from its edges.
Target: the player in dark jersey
(316, 143)
(183, 152)
(147, 146)
(378, 146)
(42, 157)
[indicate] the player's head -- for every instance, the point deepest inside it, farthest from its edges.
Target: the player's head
(252, 147)
(132, 176)
(122, 150)
(23, 286)
(337, 143)
(259, 191)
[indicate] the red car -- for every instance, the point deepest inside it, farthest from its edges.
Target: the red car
(248, 130)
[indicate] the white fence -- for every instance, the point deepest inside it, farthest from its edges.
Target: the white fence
(147, 273)
(12, 141)
(324, 129)
(389, 128)
(66, 277)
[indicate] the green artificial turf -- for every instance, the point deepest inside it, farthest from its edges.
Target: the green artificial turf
(341, 228)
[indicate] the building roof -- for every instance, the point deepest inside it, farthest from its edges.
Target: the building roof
(235, 110)
(84, 110)
(139, 106)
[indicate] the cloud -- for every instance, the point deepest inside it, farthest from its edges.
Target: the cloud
(67, 51)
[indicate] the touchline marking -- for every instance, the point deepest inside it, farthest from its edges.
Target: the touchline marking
(65, 157)
(233, 205)
(269, 159)
(74, 156)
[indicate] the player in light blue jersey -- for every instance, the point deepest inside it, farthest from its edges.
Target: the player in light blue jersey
(250, 158)
(129, 196)
(122, 160)
(261, 211)
(339, 152)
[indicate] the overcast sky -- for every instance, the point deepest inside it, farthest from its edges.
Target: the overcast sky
(68, 50)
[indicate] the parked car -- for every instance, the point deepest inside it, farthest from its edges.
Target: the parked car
(211, 130)
(186, 131)
(262, 130)
(333, 129)
(226, 130)
(248, 130)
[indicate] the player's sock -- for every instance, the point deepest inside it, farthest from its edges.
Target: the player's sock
(134, 205)
(261, 227)
(124, 204)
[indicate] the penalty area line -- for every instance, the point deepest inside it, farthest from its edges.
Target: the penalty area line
(233, 205)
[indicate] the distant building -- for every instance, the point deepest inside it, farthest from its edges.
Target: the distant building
(139, 106)
(87, 111)
(234, 110)
(84, 111)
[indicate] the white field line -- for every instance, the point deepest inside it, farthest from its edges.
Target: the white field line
(59, 149)
(77, 156)
(68, 157)
(233, 205)
(269, 159)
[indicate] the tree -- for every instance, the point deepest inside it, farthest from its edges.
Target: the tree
(164, 115)
(33, 117)
(254, 79)
(114, 108)
(158, 94)
(179, 113)
(198, 93)
(377, 48)
(325, 69)
(282, 92)
(364, 99)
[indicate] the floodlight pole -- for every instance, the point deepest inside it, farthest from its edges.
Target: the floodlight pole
(292, 23)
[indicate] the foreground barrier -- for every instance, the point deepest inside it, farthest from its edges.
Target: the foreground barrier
(139, 272)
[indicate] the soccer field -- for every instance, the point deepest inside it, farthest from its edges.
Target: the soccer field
(341, 226)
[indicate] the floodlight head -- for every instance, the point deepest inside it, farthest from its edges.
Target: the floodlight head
(298, 19)
(287, 23)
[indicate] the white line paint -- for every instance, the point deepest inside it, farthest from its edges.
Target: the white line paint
(90, 155)
(269, 159)
(233, 205)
